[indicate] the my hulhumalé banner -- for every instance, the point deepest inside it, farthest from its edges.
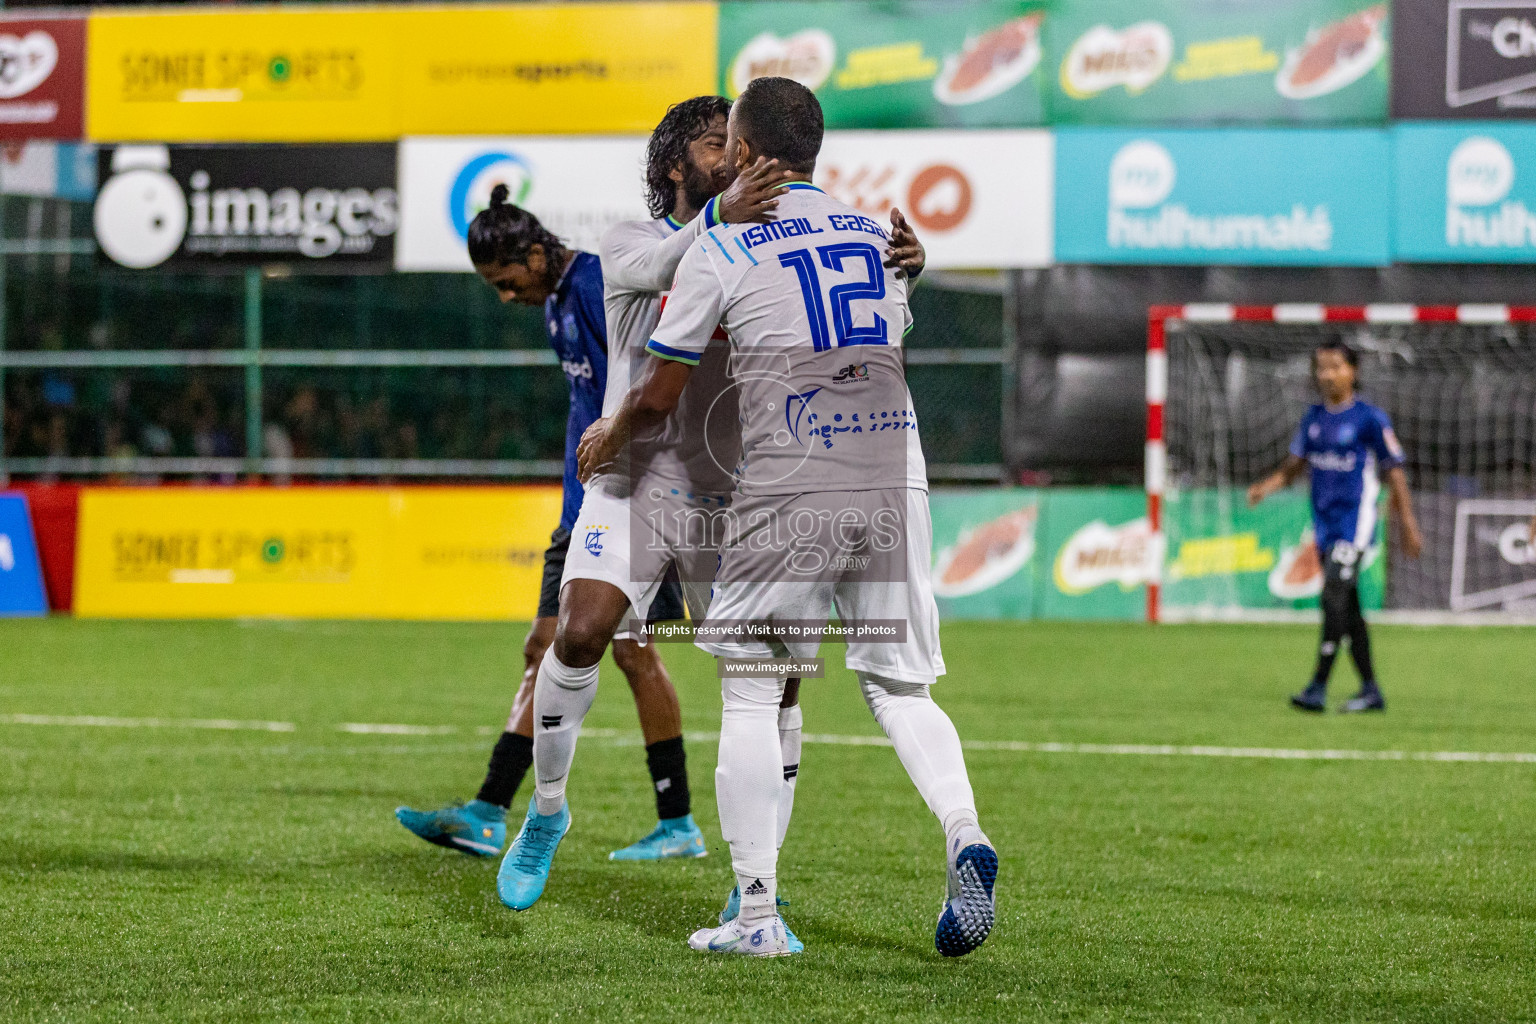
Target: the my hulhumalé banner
(1225, 559)
(1212, 61)
(1466, 192)
(1318, 197)
(467, 553)
(342, 75)
(911, 64)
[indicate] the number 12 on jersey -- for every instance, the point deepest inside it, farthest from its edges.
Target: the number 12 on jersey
(840, 297)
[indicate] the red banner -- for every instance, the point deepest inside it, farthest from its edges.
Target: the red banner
(42, 78)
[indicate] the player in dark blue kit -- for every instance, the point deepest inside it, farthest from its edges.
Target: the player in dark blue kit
(1346, 445)
(525, 263)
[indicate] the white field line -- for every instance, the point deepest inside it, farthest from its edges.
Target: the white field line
(626, 737)
(228, 724)
(384, 729)
(1164, 749)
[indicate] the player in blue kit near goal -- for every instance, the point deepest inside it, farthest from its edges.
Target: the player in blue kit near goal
(1346, 445)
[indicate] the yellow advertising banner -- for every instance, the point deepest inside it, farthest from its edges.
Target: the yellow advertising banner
(585, 68)
(242, 76)
(461, 553)
(376, 73)
(468, 552)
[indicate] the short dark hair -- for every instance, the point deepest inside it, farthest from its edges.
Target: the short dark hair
(782, 120)
(503, 233)
(683, 124)
(1339, 345)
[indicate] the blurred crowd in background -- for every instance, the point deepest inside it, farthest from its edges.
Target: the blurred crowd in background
(482, 413)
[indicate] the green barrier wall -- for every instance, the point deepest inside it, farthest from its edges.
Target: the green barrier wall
(1210, 61)
(1223, 555)
(894, 65)
(1086, 553)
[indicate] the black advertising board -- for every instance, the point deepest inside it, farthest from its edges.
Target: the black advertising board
(1464, 59)
(314, 207)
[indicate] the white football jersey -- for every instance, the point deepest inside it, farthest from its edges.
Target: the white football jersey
(816, 323)
(699, 444)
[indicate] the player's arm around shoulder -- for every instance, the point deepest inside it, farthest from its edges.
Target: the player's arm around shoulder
(646, 405)
(638, 258)
(676, 347)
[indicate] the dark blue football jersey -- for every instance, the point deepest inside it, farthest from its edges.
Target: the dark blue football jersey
(1346, 450)
(578, 333)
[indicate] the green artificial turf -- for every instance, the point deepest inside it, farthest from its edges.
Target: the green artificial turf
(179, 874)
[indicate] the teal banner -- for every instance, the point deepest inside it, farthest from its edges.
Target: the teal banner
(1319, 197)
(913, 64)
(1466, 192)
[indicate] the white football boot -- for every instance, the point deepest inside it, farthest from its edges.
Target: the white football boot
(766, 938)
(970, 908)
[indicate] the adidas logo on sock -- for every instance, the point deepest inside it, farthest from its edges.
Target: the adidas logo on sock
(757, 888)
(550, 721)
(791, 770)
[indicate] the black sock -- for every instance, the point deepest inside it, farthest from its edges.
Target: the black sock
(509, 763)
(669, 771)
(1360, 644)
(1335, 624)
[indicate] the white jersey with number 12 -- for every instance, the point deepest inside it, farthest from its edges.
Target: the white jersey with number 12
(816, 322)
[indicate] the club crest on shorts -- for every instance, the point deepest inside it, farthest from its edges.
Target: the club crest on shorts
(594, 540)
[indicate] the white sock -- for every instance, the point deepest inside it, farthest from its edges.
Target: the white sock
(961, 830)
(748, 780)
(561, 698)
(790, 720)
(929, 748)
(759, 897)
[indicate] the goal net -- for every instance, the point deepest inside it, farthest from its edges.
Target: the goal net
(1226, 388)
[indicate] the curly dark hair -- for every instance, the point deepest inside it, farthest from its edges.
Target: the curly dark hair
(683, 123)
(503, 233)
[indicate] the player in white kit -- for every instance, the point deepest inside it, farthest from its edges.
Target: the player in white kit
(830, 510)
(612, 572)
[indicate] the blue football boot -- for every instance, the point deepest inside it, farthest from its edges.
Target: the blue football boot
(672, 837)
(476, 828)
(733, 910)
(525, 868)
(970, 909)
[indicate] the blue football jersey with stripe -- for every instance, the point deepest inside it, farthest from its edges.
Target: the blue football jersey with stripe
(1346, 451)
(578, 333)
